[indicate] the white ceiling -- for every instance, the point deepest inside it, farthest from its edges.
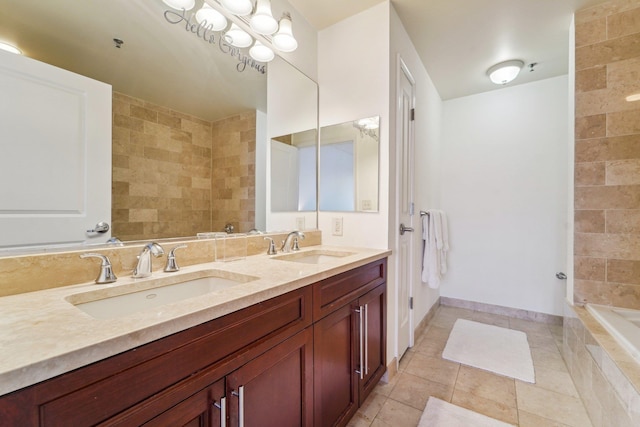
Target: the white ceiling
(458, 40)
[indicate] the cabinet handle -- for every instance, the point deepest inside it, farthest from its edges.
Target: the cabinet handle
(366, 339)
(223, 411)
(240, 395)
(360, 311)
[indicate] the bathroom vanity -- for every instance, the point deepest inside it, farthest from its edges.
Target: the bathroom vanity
(303, 345)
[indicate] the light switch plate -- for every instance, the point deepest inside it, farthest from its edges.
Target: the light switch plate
(336, 226)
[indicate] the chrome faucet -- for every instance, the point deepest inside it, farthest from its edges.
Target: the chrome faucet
(291, 242)
(143, 269)
(106, 274)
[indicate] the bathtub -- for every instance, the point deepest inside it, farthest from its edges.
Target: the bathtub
(622, 323)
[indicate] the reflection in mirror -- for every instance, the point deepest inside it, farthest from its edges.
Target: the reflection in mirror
(187, 123)
(293, 172)
(349, 166)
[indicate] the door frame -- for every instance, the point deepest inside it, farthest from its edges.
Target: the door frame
(403, 70)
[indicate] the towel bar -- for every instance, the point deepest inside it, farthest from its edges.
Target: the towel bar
(423, 213)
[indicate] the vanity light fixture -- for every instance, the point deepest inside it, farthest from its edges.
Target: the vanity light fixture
(261, 53)
(504, 72)
(283, 40)
(238, 37)
(238, 7)
(260, 30)
(262, 21)
(211, 17)
(180, 4)
(10, 48)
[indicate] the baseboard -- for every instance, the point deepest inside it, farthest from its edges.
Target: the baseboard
(504, 311)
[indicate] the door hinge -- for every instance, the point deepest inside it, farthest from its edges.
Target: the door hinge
(410, 303)
(413, 114)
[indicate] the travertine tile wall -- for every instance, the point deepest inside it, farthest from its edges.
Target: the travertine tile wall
(234, 169)
(607, 155)
(161, 171)
(166, 183)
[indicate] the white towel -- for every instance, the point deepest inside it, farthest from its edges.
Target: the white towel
(435, 237)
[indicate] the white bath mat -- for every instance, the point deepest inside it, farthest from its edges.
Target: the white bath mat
(492, 348)
(439, 413)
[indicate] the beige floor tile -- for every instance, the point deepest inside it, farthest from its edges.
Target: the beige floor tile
(529, 326)
(371, 407)
(555, 380)
(491, 319)
(551, 405)
(546, 359)
(487, 385)
(488, 407)
(406, 358)
(385, 388)
(397, 414)
(525, 419)
(436, 334)
(414, 391)
(543, 341)
(359, 420)
(433, 369)
(430, 348)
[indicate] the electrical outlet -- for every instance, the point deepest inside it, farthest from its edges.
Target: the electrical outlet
(336, 226)
(300, 223)
(367, 205)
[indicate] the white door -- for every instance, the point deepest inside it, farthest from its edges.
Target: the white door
(404, 155)
(284, 177)
(55, 154)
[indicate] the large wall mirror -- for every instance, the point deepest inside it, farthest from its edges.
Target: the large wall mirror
(349, 166)
(192, 119)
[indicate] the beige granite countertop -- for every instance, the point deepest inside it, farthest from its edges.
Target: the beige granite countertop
(43, 335)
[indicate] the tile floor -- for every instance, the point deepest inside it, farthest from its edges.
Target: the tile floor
(551, 401)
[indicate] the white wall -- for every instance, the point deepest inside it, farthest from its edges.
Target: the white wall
(504, 157)
(354, 83)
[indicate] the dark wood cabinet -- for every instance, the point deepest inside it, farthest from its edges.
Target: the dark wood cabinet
(287, 361)
(349, 342)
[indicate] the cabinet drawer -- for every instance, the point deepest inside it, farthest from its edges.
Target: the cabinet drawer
(124, 383)
(334, 292)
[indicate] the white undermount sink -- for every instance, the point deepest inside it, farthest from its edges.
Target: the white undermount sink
(316, 256)
(110, 303)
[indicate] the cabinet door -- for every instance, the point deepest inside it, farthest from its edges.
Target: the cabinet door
(373, 306)
(275, 389)
(204, 409)
(335, 338)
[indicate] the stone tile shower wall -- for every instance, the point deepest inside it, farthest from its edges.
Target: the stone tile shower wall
(607, 155)
(233, 180)
(163, 176)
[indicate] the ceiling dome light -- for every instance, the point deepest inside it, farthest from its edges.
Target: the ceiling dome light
(180, 4)
(504, 72)
(211, 17)
(262, 21)
(237, 37)
(10, 48)
(238, 7)
(283, 40)
(261, 53)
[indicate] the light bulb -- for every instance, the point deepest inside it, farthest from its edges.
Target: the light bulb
(504, 72)
(238, 7)
(261, 53)
(180, 4)
(237, 37)
(10, 48)
(211, 17)
(283, 40)
(262, 21)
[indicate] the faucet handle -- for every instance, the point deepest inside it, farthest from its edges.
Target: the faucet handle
(172, 264)
(272, 246)
(106, 272)
(295, 246)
